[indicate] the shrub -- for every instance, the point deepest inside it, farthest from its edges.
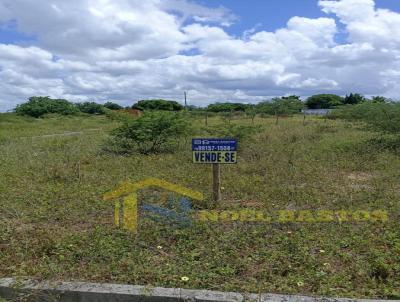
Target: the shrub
(385, 142)
(90, 108)
(265, 108)
(286, 106)
(324, 101)
(151, 133)
(354, 98)
(227, 107)
(240, 132)
(381, 117)
(251, 112)
(39, 106)
(118, 115)
(379, 99)
(281, 106)
(112, 106)
(226, 116)
(158, 105)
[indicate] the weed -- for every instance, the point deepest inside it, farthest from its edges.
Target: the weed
(54, 224)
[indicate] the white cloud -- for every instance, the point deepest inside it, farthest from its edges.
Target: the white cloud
(125, 50)
(198, 12)
(365, 23)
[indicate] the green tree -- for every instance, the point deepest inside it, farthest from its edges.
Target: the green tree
(353, 99)
(296, 97)
(286, 106)
(227, 107)
(39, 106)
(226, 116)
(112, 106)
(324, 101)
(265, 108)
(379, 99)
(90, 108)
(251, 112)
(280, 106)
(158, 104)
(151, 133)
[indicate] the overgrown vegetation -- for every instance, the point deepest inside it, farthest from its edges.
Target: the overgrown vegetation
(90, 108)
(158, 104)
(378, 117)
(227, 107)
(112, 106)
(56, 226)
(324, 101)
(151, 133)
(281, 106)
(381, 117)
(39, 106)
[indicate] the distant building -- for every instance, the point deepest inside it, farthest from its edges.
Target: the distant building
(316, 111)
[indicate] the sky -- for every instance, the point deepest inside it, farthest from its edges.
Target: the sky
(216, 50)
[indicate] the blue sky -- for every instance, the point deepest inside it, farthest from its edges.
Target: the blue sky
(273, 14)
(267, 15)
(9, 35)
(126, 50)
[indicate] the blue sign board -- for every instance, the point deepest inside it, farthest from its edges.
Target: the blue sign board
(214, 150)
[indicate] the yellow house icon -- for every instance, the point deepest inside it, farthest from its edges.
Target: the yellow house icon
(129, 191)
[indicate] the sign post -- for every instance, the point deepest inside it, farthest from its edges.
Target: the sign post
(216, 182)
(215, 151)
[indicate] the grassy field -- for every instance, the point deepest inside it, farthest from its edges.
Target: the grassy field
(54, 224)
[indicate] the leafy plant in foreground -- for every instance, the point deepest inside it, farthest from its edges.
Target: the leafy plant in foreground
(151, 133)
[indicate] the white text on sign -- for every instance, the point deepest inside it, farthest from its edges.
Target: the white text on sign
(215, 157)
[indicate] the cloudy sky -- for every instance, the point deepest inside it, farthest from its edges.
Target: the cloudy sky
(217, 50)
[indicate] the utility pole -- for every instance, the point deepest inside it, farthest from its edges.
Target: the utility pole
(185, 94)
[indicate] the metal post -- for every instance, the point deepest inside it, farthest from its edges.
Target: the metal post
(216, 182)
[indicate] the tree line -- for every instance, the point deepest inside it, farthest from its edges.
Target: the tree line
(38, 106)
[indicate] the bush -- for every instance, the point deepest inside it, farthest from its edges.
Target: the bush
(379, 99)
(251, 113)
(39, 106)
(353, 99)
(151, 133)
(324, 101)
(380, 117)
(227, 107)
(90, 108)
(385, 142)
(163, 105)
(112, 106)
(118, 115)
(240, 132)
(281, 106)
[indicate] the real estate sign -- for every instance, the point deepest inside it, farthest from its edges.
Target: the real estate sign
(214, 150)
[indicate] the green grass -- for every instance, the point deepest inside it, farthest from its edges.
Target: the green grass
(54, 224)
